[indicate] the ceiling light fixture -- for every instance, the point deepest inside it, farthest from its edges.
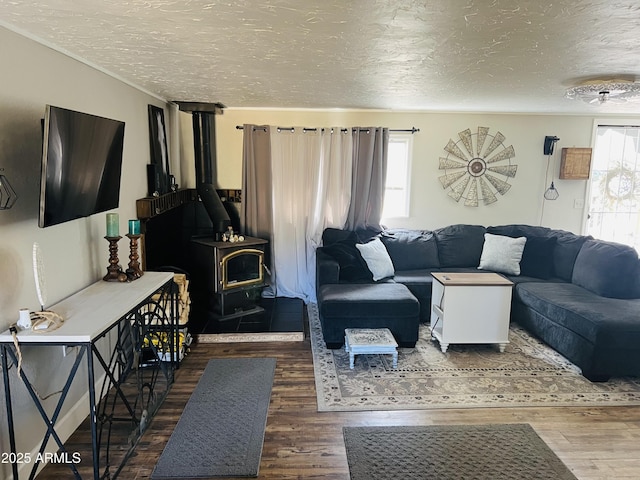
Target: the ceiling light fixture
(604, 91)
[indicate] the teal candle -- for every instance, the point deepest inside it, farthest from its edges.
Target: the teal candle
(134, 227)
(113, 225)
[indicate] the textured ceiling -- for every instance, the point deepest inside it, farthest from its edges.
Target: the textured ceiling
(454, 55)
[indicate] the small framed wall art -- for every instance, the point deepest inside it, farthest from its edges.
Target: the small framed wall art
(158, 171)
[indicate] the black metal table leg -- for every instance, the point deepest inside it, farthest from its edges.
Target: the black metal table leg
(92, 413)
(7, 398)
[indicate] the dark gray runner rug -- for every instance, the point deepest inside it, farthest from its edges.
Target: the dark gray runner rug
(451, 452)
(221, 430)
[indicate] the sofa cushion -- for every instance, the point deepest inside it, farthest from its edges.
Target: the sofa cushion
(337, 235)
(537, 258)
(502, 254)
(419, 283)
(608, 269)
(608, 322)
(520, 230)
(411, 249)
(569, 243)
(367, 300)
(564, 254)
(460, 245)
(341, 245)
(377, 258)
(421, 276)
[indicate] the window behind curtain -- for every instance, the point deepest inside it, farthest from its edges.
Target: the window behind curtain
(614, 203)
(396, 194)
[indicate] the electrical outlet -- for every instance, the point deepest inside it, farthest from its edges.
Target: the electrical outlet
(578, 203)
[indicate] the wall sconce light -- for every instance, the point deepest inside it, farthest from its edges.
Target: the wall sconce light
(549, 142)
(8, 195)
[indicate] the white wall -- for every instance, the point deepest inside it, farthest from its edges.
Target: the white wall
(75, 254)
(430, 206)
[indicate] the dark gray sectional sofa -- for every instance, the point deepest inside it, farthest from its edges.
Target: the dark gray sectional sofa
(579, 295)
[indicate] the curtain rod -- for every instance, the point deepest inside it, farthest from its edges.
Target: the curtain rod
(343, 130)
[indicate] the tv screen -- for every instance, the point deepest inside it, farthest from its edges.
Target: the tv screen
(81, 165)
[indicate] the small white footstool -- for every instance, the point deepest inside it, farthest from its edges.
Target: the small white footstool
(358, 341)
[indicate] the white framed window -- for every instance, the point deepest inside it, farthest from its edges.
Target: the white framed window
(398, 177)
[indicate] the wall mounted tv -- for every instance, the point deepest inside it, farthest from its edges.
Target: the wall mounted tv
(81, 165)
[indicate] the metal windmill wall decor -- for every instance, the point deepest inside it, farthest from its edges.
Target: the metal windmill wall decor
(477, 167)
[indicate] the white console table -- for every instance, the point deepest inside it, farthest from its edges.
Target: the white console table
(145, 314)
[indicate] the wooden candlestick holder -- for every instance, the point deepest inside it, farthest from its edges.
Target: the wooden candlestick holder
(134, 272)
(114, 271)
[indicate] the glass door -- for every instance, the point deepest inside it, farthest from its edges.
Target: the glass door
(614, 203)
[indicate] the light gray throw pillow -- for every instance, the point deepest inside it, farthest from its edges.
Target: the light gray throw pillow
(377, 258)
(502, 254)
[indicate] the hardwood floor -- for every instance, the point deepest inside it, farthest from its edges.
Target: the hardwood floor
(301, 443)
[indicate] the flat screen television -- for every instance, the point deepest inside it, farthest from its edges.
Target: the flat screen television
(81, 165)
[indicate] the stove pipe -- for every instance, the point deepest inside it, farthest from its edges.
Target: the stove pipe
(205, 162)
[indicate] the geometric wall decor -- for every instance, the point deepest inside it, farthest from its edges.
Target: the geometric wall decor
(477, 167)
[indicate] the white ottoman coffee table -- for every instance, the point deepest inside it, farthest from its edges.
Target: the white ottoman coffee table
(375, 341)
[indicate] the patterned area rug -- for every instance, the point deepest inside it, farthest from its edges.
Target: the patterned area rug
(527, 374)
(451, 452)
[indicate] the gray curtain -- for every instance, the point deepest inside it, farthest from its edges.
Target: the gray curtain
(256, 208)
(370, 148)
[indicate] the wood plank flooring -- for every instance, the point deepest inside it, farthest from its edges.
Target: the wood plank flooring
(300, 443)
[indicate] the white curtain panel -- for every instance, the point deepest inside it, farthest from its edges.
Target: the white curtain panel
(311, 177)
(333, 183)
(330, 205)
